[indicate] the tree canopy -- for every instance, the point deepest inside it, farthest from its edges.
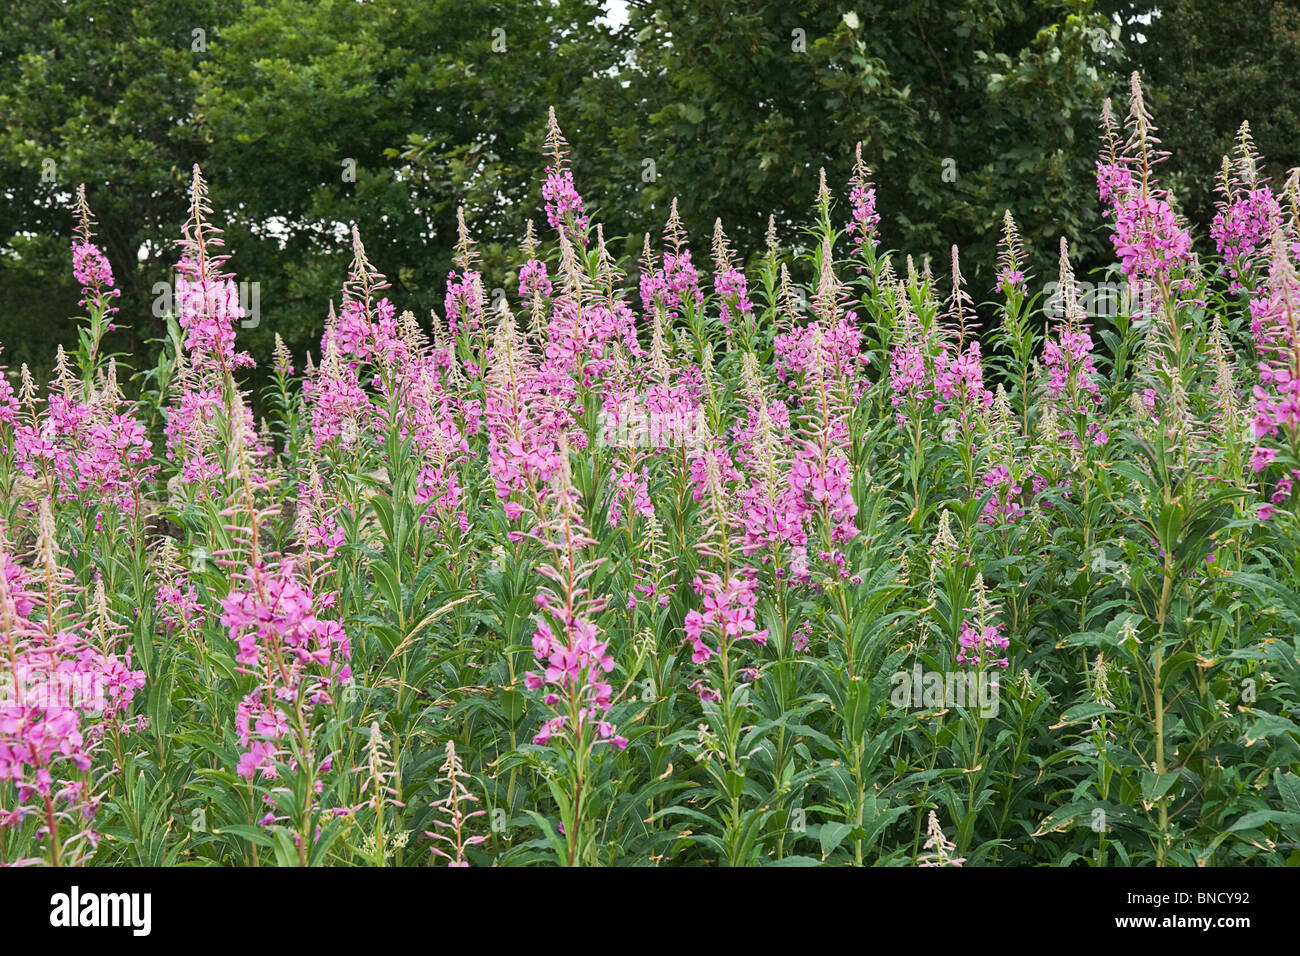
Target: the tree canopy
(309, 116)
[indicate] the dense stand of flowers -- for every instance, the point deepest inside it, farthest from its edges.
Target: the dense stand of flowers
(801, 558)
(63, 691)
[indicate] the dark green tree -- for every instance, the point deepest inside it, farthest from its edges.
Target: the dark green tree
(964, 109)
(101, 93)
(309, 117)
(1207, 67)
(321, 115)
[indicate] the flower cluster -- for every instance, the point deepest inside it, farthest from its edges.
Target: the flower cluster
(1153, 243)
(91, 269)
(1011, 257)
(564, 207)
(726, 614)
(1242, 230)
(453, 813)
(835, 347)
(865, 221)
(60, 694)
(574, 680)
(1275, 323)
(298, 658)
(981, 641)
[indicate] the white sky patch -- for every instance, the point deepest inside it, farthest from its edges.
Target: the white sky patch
(615, 13)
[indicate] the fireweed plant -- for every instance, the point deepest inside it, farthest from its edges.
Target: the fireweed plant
(815, 558)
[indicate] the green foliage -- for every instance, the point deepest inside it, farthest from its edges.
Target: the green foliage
(739, 108)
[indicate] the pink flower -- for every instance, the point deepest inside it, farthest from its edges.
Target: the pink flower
(1242, 230)
(260, 756)
(564, 210)
(981, 645)
(533, 280)
(864, 222)
(298, 658)
(733, 291)
(91, 269)
(726, 615)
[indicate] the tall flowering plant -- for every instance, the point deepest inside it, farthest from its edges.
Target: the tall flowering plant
(61, 696)
(1275, 323)
(297, 662)
(206, 409)
(1246, 216)
(94, 273)
(574, 680)
(1152, 241)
